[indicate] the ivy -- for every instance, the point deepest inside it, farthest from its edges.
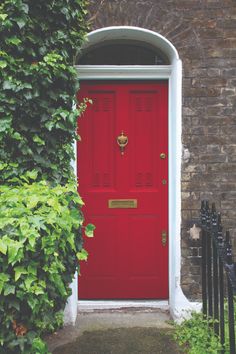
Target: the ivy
(41, 223)
(39, 44)
(40, 245)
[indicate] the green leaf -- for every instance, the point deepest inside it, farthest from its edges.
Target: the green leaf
(38, 291)
(32, 302)
(32, 269)
(5, 124)
(38, 346)
(29, 280)
(2, 166)
(15, 304)
(17, 136)
(38, 140)
(25, 8)
(32, 202)
(3, 247)
(58, 283)
(3, 64)
(9, 289)
(3, 16)
(37, 221)
(8, 85)
(27, 85)
(32, 240)
(4, 277)
(49, 125)
(14, 40)
(89, 230)
(82, 255)
(13, 248)
(53, 202)
(32, 174)
(19, 271)
(20, 22)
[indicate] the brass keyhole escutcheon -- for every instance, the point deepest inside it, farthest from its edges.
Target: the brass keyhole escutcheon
(122, 141)
(162, 155)
(164, 237)
(164, 182)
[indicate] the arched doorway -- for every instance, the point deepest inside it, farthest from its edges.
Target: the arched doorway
(173, 74)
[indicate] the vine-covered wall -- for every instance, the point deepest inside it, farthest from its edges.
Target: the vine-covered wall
(39, 43)
(41, 223)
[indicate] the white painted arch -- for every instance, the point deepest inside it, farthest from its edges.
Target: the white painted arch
(178, 303)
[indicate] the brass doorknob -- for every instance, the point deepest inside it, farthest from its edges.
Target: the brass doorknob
(122, 141)
(162, 155)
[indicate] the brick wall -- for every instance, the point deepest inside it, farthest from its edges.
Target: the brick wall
(204, 33)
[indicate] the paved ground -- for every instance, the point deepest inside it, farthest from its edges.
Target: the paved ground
(123, 331)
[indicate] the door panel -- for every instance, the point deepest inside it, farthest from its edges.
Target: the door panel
(126, 257)
(143, 108)
(101, 154)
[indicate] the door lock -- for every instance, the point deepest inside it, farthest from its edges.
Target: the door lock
(164, 237)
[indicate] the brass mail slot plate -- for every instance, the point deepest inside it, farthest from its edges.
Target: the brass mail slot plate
(122, 203)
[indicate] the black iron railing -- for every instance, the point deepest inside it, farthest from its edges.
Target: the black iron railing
(218, 276)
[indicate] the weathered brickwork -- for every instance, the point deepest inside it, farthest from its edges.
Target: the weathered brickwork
(204, 33)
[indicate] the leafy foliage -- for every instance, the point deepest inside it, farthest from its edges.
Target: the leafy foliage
(40, 242)
(39, 44)
(226, 323)
(197, 336)
(40, 210)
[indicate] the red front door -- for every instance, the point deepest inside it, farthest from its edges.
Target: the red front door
(125, 195)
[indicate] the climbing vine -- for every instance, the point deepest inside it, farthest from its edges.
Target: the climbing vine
(41, 223)
(39, 44)
(40, 245)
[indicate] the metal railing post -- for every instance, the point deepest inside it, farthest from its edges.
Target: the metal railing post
(217, 263)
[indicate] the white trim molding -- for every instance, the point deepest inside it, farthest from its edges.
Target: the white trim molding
(119, 33)
(123, 72)
(179, 305)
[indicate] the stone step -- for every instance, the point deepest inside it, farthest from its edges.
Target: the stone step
(94, 317)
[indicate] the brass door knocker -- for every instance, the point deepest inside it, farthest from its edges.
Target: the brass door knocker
(122, 141)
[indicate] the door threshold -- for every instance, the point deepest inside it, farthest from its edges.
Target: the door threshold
(91, 305)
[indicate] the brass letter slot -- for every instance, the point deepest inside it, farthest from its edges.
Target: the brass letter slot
(122, 203)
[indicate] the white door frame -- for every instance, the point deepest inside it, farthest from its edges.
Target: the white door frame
(178, 303)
